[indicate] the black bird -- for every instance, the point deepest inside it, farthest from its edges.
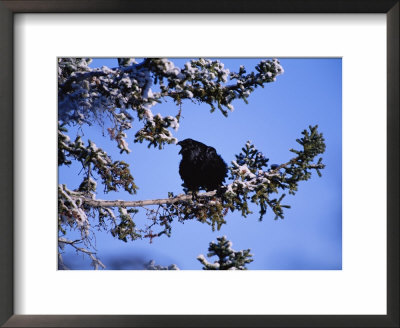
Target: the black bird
(201, 167)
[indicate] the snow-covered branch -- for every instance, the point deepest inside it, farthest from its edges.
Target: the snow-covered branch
(141, 203)
(87, 95)
(122, 98)
(253, 182)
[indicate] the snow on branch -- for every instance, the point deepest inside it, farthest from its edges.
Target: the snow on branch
(228, 258)
(252, 181)
(114, 174)
(141, 203)
(87, 95)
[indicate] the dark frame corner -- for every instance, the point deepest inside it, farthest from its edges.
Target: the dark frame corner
(10, 7)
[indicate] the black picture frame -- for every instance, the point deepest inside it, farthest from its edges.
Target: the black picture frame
(10, 7)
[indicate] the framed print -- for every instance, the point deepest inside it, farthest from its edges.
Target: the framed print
(346, 58)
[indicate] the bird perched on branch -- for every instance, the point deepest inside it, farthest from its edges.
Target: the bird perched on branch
(201, 167)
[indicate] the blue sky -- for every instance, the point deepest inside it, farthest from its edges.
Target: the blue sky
(308, 238)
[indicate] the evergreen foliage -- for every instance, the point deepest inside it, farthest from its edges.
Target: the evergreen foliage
(228, 259)
(123, 94)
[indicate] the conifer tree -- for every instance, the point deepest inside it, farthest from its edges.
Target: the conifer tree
(127, 93)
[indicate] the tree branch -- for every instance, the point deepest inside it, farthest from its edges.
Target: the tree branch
(141, 203)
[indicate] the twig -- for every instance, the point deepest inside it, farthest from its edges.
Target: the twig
(95, 261)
